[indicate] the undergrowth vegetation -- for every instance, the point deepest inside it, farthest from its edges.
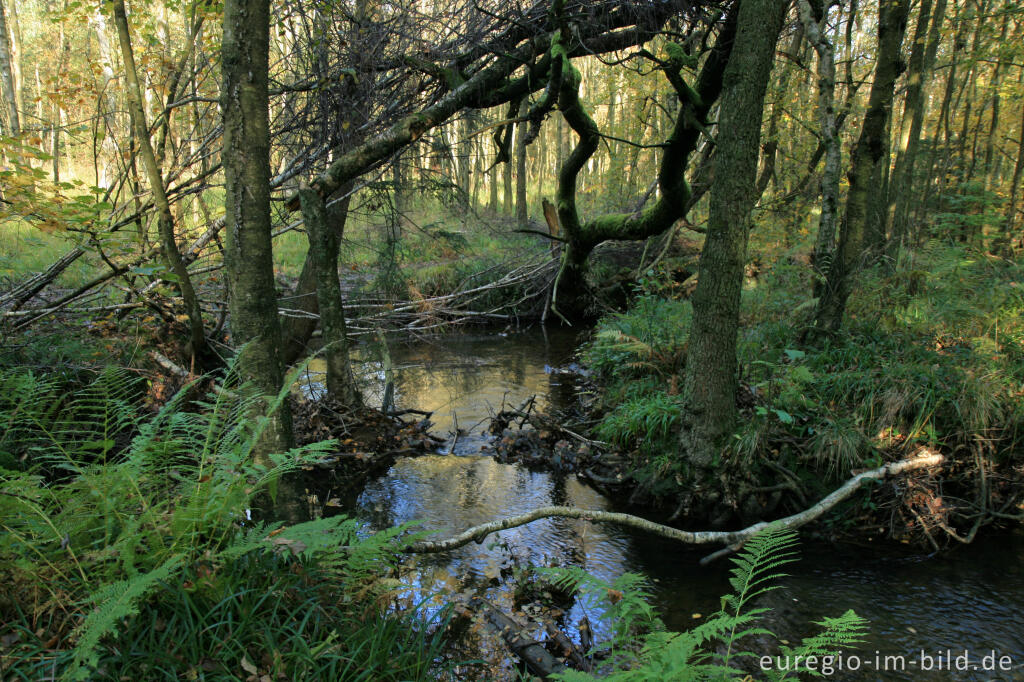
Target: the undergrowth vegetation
(640, 647)
(129, 547)
(932, 357)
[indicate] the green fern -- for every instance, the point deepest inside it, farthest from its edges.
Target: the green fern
(753, 574)
(693, 655)
(110, 605)
(836, 634)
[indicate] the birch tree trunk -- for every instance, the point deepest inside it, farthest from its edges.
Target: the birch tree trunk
(7, 83)
(522, 214)
(815, 29)
(867, 154)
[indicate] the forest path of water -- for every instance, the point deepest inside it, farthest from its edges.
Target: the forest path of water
(970, 599)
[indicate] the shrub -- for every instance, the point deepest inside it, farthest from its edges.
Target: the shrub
(145, 558)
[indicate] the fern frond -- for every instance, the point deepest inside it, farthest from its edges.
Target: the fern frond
(752, 575)
(836, 634)
(111, 604)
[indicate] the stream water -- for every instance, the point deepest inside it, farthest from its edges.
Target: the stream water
(924, 612)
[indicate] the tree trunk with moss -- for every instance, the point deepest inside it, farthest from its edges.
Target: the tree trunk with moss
(868, 153)
(248, 251)
(297, 329)
(323, 250)
(570, 296)
(709, 388)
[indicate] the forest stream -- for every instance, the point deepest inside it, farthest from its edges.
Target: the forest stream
(970, 598)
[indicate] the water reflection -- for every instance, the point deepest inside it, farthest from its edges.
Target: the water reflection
(971, 599)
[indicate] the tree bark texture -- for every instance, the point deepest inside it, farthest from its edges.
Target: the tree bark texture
(709, 388)
(323, 250)
(868, 153)
(248, 252)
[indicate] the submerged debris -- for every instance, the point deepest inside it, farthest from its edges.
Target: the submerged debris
(537, 440)
(368, 440)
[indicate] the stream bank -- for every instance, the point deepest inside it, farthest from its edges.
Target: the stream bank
(967, 598)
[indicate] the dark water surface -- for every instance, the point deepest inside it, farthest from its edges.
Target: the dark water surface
(971, 599)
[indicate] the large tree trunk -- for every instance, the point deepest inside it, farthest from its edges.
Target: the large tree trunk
(709, 387)
(248, 251)
(868, 153)
(165, 220)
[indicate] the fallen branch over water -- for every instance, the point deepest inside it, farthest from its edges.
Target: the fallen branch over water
(732, 539)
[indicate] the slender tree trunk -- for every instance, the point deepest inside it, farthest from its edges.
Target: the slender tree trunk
(323, 249)
(997, 75)
(8, 87)
(165, 220)
(507, 203)
(522, 213)
(709, 388)
(1004, 242)
(824, 245)
(492, 189)
(770, 145)
(465, 154)
(943, 125)
(541, 163)
(398, 181)
(922, 61)
(56, 112)
(248, 251)
(17, 55)
(867, 154)
(878, 208)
